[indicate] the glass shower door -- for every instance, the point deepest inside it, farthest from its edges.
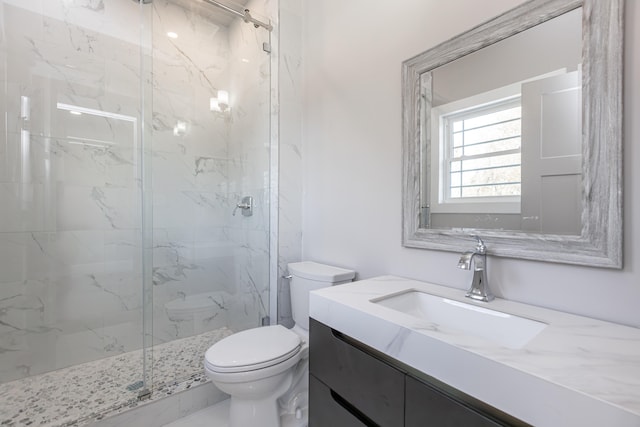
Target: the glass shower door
(71, 152)
(130, 132)
(210, 154)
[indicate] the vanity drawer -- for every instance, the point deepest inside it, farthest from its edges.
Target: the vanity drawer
(327, 409)
(371, 386)
(427, 406)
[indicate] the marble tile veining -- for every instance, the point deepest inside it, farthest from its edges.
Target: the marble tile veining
(88, 392)
(70, 305)
(576, 372)
(70, 184)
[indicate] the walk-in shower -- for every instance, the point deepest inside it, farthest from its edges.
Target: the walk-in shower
(131, 131)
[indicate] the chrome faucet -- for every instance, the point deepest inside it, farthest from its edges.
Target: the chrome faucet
(479, 287)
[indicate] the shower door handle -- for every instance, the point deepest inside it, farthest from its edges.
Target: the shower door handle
(246, 204)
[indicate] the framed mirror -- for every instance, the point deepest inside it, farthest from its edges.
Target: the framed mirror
(513, 131)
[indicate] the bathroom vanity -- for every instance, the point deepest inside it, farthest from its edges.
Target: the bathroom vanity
(388, 351)
(354, 385)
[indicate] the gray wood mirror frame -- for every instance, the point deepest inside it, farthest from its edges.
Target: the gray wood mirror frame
(599, 243)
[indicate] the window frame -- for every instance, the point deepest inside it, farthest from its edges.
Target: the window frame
(448, 141)
(440, 202)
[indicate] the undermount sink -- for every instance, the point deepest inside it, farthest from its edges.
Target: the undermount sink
(502, 328)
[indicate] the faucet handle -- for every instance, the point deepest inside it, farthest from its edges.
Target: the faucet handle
(480, 247)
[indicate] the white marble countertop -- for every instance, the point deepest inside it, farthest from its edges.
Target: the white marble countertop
(576, 372)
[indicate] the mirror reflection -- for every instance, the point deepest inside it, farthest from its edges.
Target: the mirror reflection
(503, 134)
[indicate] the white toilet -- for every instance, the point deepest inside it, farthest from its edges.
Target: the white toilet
(265, 370)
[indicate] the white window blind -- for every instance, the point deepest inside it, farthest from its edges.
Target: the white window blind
(482, 152)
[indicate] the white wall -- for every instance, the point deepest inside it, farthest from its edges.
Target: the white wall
(352, 53)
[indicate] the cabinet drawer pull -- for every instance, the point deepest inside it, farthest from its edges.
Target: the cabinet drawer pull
(347, 339)
(352, 409)
(337, 334)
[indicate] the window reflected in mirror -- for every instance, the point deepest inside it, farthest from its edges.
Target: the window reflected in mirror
(504, 145)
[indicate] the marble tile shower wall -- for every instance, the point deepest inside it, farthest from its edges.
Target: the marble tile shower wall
(202, 251)
(69, 228)
(192, 253)
(70, 264)
(250, 147)
(290, 149)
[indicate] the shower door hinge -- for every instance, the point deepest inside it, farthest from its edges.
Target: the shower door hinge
(144, 395)
(266, 47)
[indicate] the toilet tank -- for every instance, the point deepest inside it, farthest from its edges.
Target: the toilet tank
(307, 276)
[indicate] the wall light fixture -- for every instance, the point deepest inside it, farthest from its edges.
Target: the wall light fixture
(221, 103)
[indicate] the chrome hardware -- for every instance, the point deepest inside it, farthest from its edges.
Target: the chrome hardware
(288, 277)
(246, 205)
(479, 290)
(144, 394)
(25, 108)
(245, 15)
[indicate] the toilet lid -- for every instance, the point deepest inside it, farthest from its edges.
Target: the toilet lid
(252, 349)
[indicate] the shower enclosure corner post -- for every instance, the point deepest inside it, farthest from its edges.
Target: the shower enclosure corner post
(146, 192)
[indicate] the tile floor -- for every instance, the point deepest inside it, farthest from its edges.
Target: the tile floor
(218, 416)
(215, 415)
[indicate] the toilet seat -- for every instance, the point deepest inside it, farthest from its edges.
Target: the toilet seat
(253, 349)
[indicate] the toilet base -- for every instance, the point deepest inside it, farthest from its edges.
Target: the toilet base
(251, 405)
(269, 412)
(248, 413)
(290, 420)
(286, 420)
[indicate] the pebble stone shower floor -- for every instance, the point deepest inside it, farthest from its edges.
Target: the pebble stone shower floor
(82, 394)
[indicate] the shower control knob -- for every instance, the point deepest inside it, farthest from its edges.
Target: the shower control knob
(246, 204)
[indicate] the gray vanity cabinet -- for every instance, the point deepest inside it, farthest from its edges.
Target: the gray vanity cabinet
(351, 385)
(371, 390)
(328, 409)
(427, 406)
